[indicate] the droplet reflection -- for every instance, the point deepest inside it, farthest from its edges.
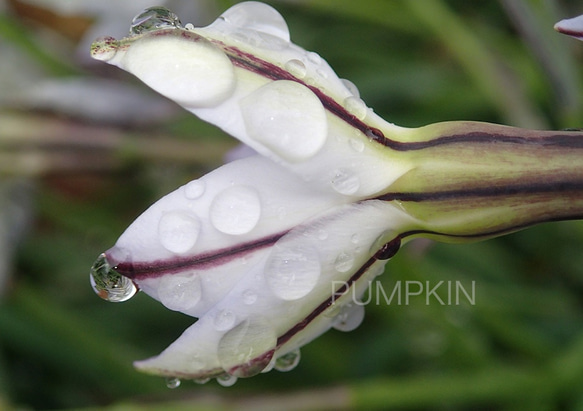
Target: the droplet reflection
(108, 283)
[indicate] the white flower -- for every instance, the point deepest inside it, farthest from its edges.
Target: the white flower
(265, 250)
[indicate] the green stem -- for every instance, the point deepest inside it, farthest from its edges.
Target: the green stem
(474, 180)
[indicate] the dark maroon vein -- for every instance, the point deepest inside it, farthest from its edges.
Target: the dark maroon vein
(489, 191)
(268, 70)
(143, 270)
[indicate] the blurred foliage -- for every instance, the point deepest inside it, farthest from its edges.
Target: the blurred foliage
(520, 346)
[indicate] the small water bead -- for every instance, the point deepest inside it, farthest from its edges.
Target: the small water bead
(108, 283)
(356, 107)
(178, 231)
(344, 262)
(224, 320)
(314, 58)
(296, 68)
(356, 144)
(180, 292)
(351, 87)
(194, 189)
(172, 382)
(287, 118)
(249, 297)
(350, 317)
(345, 181)
(226, 380)
(236, 210)
(292, 271)
(289, 361)
(202, 380)
(154, 18)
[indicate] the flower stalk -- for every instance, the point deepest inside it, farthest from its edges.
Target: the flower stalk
(253, 248)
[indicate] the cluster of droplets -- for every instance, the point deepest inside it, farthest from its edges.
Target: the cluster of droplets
(108, 283)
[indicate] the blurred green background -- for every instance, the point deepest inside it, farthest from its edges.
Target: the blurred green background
(81, 156)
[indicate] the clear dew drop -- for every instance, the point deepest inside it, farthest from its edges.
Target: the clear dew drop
(345, 181)
(224, 320)
(349, 318)
(236, 210)
(108, 283)
(154, 18)
(356, 107)
(202, 380)
(292, 272)
(178, 231)
(173, 382)
(226, 380)
(287, 118)
(249, 297)
(288, 362)
(296, 68)
(194, 189)
(351, 87)
(356, 144)
(180, 292)
(344, 262)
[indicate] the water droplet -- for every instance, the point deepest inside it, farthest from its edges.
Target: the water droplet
(249, 297)
(194, 189)
(258, 17)
(344, 262)
(292, 272)
(350, 317)
(108, 283)
(226, 380)
(236, 210)
(173, 382)
(322, 234)
(224, 320)
(154, 18)
(357, 144)
(351, 87)
(178, 231)
(355, 238)
(287, 118)
(314, 58)
(202, 380)
(388, 250)
(180, 292)
(248, 348)
(356, 107)
(288, 362)
(345, 181)
(296, 68)
(104, 48)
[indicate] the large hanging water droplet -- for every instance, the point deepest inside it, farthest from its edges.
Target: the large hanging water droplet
(292, 272)
(236, 210)
(154, 18)
(173, 382)
(288, 362)
(108, 283)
